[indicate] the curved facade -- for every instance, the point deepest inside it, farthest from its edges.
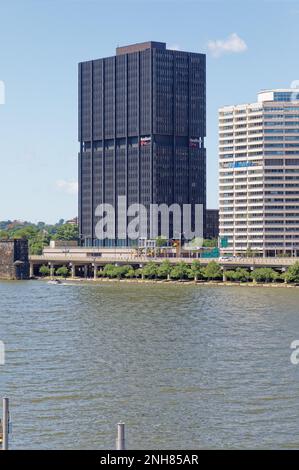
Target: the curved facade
(259, 175)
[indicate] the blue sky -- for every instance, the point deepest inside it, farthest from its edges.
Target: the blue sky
(41, 42)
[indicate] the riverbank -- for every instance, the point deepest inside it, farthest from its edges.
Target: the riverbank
(173, 282)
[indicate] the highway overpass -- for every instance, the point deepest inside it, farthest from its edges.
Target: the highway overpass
(85, 262)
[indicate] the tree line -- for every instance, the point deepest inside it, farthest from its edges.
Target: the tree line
(182, 271)
(38, 235)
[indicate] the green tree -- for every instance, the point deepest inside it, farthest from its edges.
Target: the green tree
(138, 272)
(44, 270)
(130, 272)
(109, 270)
(264, 275)
(4, 234)
(29, 232)
(292, 274)
(196, 271)
(240, 275)
(63, 271)
(38, 242)
(4, 224)
(37, 239)
(36, 247)
(164, 270)
(67, 232)
(179, 271)
(150, 270)
(210, 243)
(38, 235)
(119, 272)
(230, 275)
(161, 241)
(212, 271)
(122, 271)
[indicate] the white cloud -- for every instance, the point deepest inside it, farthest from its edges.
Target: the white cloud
(233, 44)
(68, 187)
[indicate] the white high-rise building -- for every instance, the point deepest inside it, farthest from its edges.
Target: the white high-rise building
(259, 175)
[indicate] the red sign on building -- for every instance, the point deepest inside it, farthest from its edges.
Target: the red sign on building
(194, 143)
(145, 141)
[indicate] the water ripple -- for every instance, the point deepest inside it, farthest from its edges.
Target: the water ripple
(183, 366)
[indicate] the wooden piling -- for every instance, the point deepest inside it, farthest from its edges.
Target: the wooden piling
(5, 423)
(120, 440)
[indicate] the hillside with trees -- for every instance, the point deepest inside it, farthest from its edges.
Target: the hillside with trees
(38, 235)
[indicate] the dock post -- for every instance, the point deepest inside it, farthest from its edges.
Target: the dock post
(5, 423)
(120, 440)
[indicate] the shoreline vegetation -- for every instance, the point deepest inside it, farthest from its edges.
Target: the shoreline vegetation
(211, 274)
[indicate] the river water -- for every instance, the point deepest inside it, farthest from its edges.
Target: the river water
(184, 366)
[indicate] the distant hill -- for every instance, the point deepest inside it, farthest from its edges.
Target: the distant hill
(40, 234)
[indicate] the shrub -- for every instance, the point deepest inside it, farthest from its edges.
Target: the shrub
(44, 270)
(292, 274)
(63, 271)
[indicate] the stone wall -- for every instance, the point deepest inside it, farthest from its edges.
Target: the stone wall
(14, 259)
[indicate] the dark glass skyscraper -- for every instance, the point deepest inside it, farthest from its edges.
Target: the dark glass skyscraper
(142, 123)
